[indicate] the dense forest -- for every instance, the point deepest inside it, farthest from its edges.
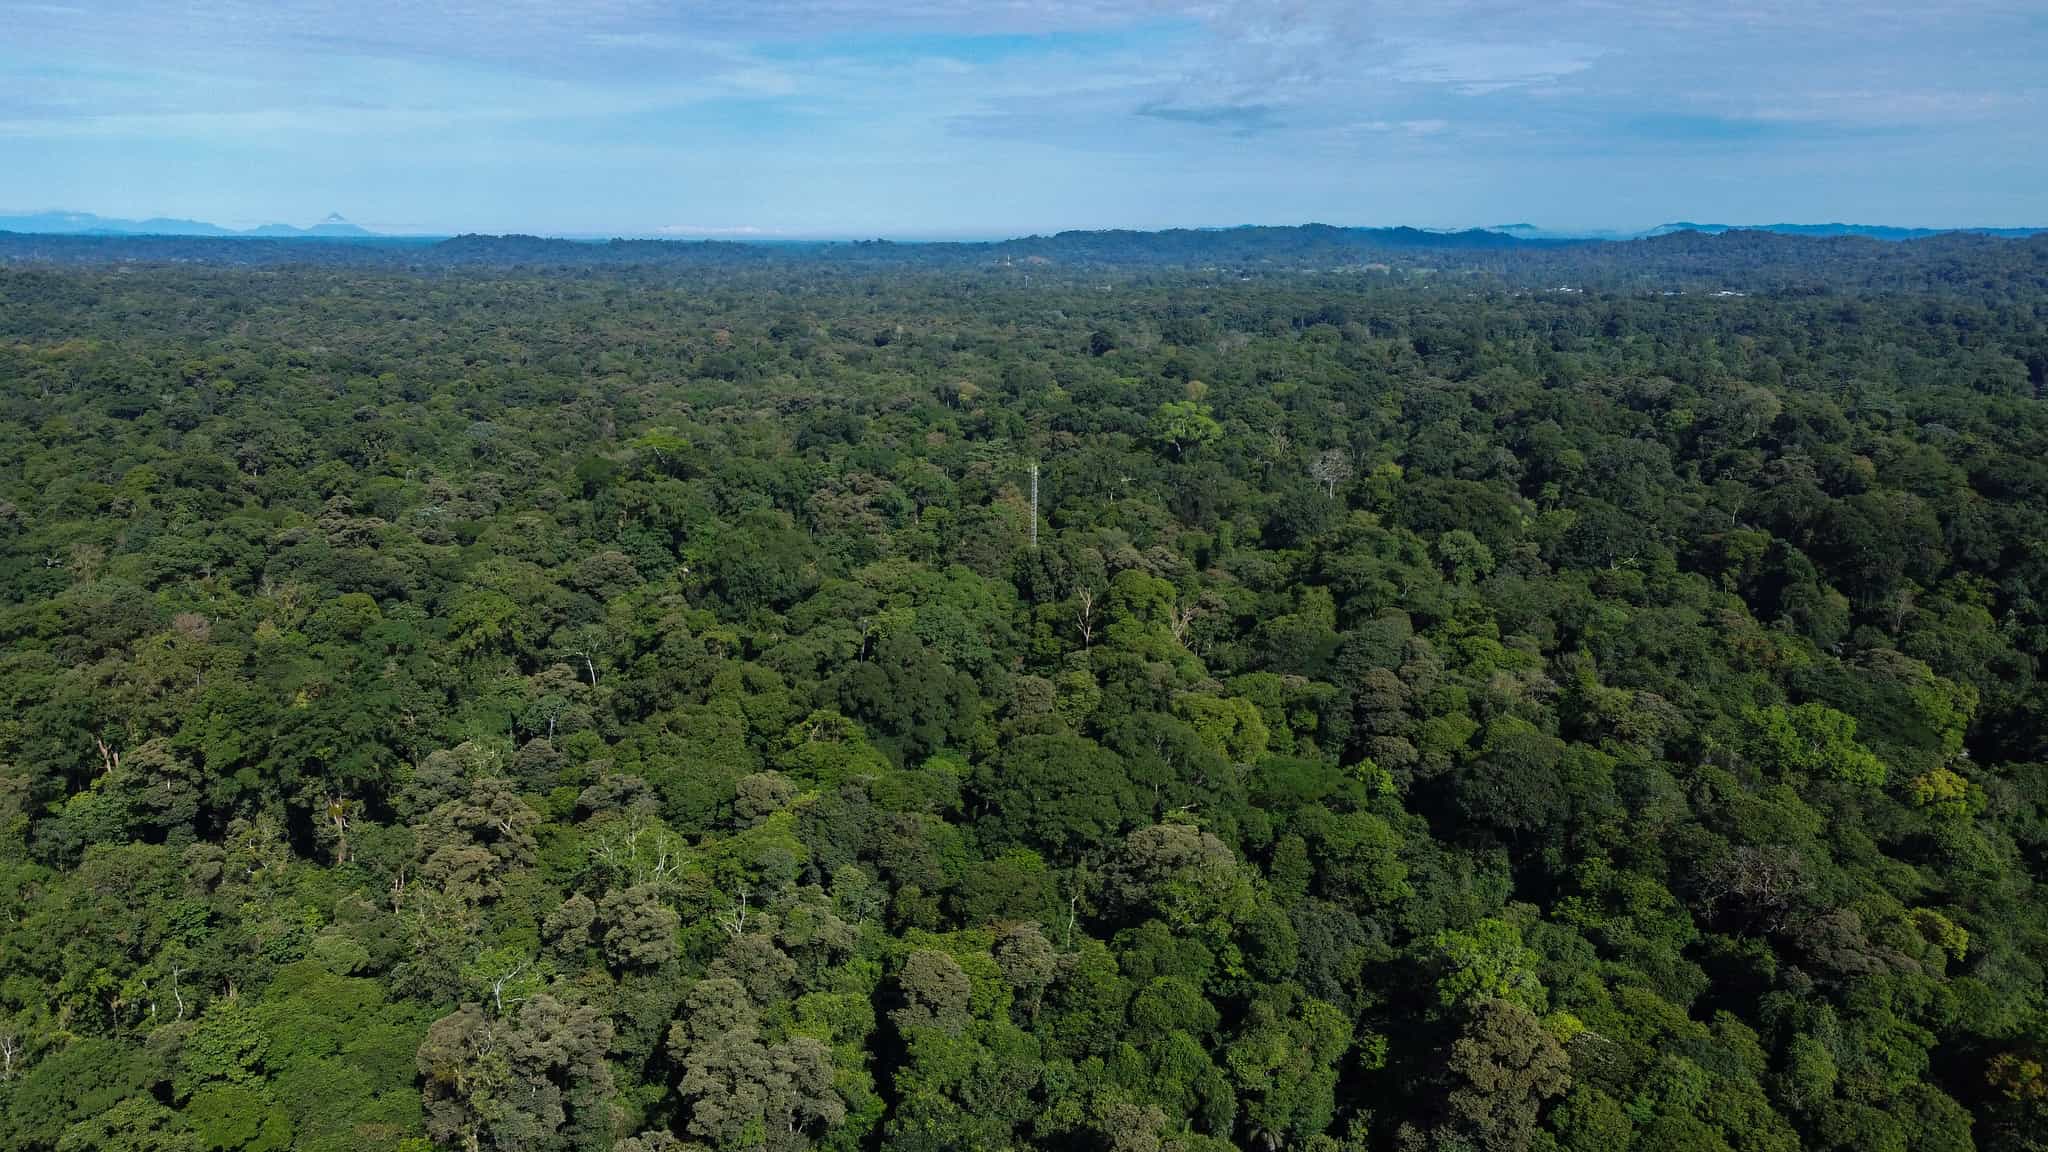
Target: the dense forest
(1509, 700)
(1975, 265)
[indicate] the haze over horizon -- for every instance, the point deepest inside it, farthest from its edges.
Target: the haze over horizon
(940, 118)
(335, 226)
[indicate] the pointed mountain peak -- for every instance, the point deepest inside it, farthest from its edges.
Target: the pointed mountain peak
(336, 225)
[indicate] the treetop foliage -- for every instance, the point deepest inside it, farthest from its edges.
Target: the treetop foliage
(493, 707)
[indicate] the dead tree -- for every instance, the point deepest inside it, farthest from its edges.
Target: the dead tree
(1331, 469)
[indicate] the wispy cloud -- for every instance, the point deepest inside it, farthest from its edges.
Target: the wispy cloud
(1243, 119)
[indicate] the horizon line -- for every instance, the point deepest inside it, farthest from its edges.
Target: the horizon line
(771, 237)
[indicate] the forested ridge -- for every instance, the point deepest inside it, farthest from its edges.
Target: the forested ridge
(1976, 266)
(534, 708)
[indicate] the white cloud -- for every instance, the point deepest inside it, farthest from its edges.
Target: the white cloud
(928, 101)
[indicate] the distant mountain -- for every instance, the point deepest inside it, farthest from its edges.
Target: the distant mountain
(333, 226)
(87, 224)
(1532, 232)
(1239, 241)
(58, 223)
(1684, 261)
(1873, 231)
(1319, 244)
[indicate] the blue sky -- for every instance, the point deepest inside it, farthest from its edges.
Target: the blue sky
(950, 117)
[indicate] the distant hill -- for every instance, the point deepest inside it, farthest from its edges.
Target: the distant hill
(1873, 231)
(332, 226)
(1533, 232)
(58, 223)
(1683, 261)
(1173, 245)
(87, 224)
(1309, 242)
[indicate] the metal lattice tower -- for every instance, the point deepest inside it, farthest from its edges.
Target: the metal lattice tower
(1034, 506)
